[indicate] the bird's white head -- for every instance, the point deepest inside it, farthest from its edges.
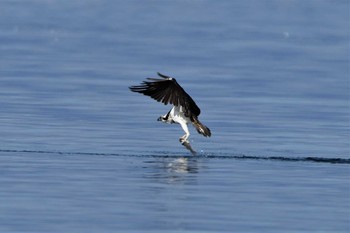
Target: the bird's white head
(162, 118)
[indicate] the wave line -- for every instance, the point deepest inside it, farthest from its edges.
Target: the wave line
(208, 156)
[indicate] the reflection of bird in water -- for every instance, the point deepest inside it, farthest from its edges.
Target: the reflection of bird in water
(184, 111)
(182, 165)
(173, 170)
(179, 165)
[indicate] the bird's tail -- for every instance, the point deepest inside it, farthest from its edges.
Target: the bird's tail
(202, 129)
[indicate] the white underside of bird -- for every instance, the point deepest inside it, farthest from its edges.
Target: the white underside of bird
(176, 115)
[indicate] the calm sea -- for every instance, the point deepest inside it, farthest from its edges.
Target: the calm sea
(79, 152)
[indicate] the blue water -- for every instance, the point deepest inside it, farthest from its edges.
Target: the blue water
(79, 152)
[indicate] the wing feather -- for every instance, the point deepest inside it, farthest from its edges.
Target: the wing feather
(168, 91)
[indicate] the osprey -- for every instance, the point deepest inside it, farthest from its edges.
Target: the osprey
(184, 111)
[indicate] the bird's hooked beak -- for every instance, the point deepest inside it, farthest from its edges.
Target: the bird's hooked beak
(159, 118)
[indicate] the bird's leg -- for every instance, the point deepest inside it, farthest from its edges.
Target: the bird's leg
(184, 138)
(187, 133)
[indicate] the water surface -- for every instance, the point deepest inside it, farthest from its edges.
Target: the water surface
(81, 153)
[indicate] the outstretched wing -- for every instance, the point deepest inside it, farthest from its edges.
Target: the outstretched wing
(167, 90)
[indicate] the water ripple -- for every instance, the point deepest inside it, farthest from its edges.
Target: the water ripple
(200, 155)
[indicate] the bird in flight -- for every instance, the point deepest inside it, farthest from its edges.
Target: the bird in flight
(184, 111)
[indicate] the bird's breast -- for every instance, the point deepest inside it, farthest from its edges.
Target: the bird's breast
(178, 115)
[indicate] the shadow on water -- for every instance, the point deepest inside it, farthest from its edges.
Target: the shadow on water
(165, 155)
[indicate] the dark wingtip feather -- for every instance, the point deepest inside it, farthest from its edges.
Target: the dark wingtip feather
(132, 88)
(163, 76)
(136, 88)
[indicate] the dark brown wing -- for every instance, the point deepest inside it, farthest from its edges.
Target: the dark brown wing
(168, 91)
